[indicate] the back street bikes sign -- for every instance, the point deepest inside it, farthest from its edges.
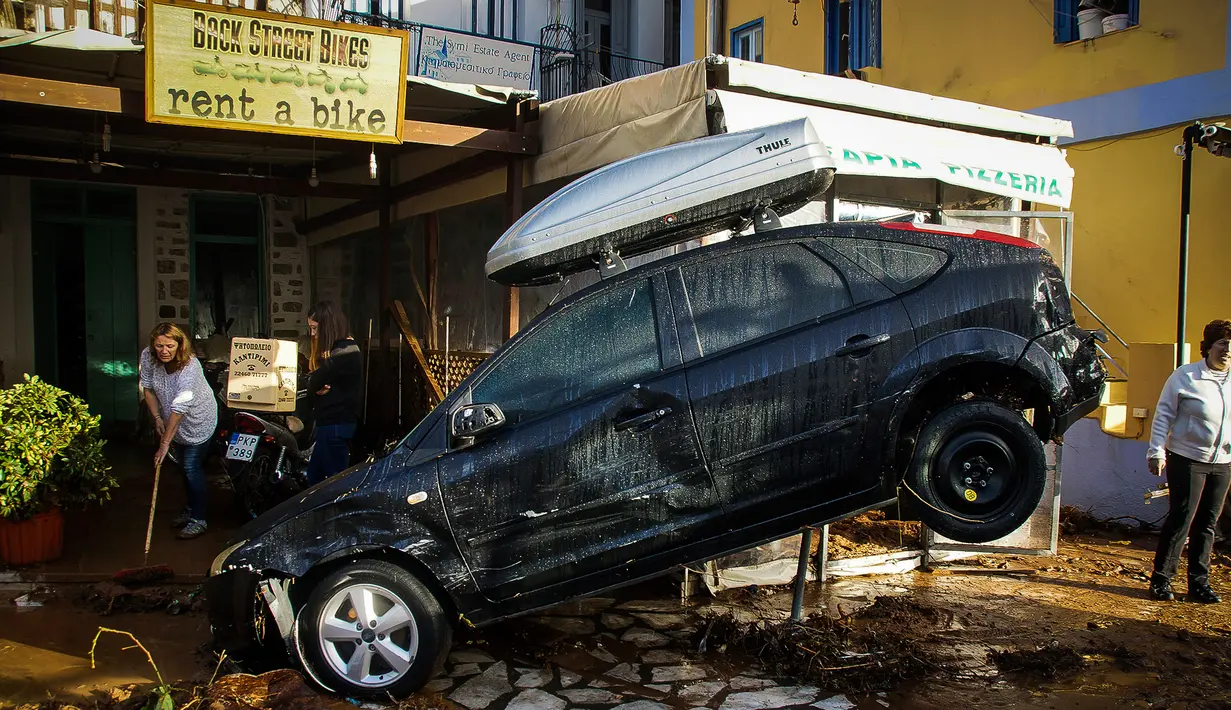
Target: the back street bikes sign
(215, 67)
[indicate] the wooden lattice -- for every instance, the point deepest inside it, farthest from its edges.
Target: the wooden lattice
(461, 364)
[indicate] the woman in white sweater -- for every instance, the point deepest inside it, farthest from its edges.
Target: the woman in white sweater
(1191, 442)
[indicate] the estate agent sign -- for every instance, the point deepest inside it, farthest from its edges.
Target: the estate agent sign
(254, 71)
(451, 56)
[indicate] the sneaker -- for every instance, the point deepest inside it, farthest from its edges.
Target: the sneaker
(1202, 594)
(182, 519)
(193, 528)
(1160, 589)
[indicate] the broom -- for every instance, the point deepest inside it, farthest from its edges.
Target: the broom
(145, 574)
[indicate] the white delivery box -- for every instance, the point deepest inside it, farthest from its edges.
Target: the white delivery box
(262, 375)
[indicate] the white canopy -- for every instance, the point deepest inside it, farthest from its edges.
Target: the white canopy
(862, 144)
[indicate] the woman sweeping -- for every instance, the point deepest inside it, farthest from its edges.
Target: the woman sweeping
(334, 384)
(1191, 442)
(185, 413)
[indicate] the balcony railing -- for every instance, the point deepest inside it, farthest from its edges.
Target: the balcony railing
(556, 71)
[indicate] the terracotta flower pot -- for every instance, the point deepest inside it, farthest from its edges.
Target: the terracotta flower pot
(39, 539)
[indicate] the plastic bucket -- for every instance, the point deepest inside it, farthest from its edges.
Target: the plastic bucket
(1112, 23)
(1090, 23)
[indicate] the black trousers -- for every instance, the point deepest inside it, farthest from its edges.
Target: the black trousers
(1197, 494)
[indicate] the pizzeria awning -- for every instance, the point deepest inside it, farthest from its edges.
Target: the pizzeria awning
(863, 144)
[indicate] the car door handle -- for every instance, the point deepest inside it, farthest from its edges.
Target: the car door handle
(861, 343)
(642, 420)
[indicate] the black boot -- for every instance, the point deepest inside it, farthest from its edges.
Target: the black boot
(1160, 588)
(1200, 592)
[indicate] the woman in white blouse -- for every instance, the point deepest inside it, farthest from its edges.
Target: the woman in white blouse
(1191, 442)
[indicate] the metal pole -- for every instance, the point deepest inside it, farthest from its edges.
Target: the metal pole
(801, 576)
(446, 382)
(399, 379)
(822, 556)
(1186, 184)
(367, 373)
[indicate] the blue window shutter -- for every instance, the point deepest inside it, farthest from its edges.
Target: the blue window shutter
(865, 34)
(1065, 21)
(874, 34)
(833, 36)
(1134, 13)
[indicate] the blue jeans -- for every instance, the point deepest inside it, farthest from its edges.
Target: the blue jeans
(192, 463)
(331, 453)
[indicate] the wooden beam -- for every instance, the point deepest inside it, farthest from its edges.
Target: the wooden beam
(285, 187)
(46, 92)
(431, 249)
(469, 137)
(514, 209)
(443, 177)
(152, 160)
(399, 315)
(385, 231)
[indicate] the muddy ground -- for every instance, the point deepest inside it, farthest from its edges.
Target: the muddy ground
(1071, 631)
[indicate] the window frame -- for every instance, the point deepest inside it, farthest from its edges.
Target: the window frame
(755, 28)
(686, 321)
(1064, 20)
(496, 363)
(864, 36)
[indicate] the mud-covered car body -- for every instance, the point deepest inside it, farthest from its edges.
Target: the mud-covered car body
(695, 406)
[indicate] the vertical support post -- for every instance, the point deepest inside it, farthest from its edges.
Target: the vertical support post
(385, 232)
(431, 254)
(1186, 186)
(831, 201)
(513, 211)
(801, 576)
(822, 556)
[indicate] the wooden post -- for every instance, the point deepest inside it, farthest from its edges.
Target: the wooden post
(513, 211)
(432, 252)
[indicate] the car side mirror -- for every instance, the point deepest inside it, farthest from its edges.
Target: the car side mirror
(475, 420)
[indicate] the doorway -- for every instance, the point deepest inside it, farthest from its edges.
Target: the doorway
(84, 253)
(228, 283)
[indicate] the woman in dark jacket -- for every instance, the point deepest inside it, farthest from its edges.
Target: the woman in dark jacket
(335, 381)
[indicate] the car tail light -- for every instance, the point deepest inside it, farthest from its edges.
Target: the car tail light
(248, 425)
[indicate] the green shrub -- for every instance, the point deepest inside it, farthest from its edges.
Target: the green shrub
(51, 453)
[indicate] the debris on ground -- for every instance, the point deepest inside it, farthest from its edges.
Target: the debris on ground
(106, 598)
(871, 533)
(1052, 662)
(872, 649)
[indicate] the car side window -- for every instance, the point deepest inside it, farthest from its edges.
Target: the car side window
(586, 348)
(901, 267)
(748, 294)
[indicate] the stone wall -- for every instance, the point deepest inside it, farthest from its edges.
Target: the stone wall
(171, 255)
(288, 269)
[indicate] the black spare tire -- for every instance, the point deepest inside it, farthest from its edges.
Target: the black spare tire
(979, 470)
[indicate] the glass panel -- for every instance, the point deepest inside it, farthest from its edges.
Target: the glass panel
(590, 347)
(115, 204)
(749, 294)
(57, 200)
(226, 218)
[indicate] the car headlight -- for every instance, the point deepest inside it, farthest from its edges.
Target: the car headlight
(216, 567)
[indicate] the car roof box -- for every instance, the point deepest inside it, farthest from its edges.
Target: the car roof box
(663, 197)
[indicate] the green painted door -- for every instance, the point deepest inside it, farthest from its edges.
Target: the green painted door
(111, 321)
(86, 337)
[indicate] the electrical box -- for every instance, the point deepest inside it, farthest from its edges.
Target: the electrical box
(1140, 412)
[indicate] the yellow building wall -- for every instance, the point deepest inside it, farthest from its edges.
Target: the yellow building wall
(995, 51)
(1126, 251)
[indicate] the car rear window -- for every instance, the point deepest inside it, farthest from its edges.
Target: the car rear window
(747, 294)
(901, 267)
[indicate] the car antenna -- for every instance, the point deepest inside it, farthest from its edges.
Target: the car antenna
(562, 287)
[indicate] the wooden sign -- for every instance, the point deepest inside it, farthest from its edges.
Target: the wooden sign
(218, 67)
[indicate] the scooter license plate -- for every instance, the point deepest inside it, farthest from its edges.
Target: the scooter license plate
(242, 447)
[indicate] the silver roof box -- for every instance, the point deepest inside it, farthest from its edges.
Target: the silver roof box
(663, 197)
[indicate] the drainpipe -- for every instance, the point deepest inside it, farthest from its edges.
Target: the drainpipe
(715, 19)
(1186, 183)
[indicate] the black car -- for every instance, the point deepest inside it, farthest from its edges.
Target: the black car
(694, 406)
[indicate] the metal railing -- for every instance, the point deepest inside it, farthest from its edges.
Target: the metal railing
(1109, 331)
(555, 71)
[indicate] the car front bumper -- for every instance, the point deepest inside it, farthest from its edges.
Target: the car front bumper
(239, 617)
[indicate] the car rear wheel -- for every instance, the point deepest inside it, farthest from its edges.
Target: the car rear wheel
(372, 628)
(979, 470)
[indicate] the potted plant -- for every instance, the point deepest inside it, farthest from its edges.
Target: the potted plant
(51, 457)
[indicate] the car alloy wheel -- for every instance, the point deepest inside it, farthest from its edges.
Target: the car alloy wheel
(368, 635)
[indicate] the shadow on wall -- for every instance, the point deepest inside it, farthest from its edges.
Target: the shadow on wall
(1106, 475)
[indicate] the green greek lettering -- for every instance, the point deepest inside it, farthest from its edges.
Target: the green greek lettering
(850, 155)
(1000, 179)
(1015, 181)
(1053, 190)
(1032, 183)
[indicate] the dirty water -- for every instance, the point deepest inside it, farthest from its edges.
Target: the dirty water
(1071, 631)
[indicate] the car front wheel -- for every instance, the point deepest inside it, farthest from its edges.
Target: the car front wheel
(979, 470)
(372, 628)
